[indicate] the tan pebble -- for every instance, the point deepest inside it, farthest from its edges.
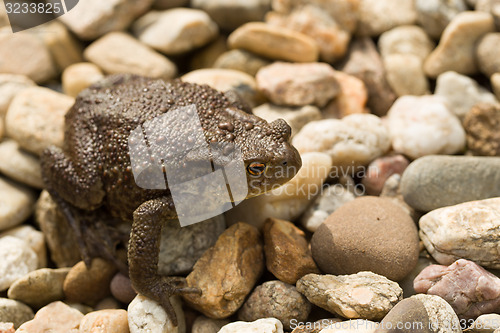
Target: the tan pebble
(79, 76)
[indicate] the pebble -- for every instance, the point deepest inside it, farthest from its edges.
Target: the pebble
(298, 84)
(108, 303)
(380, 170)
(121, 288)
(265, 325)
(367, 234)
(20, 165)
(14, 312)
(230, 15)
(314, 22)
(435, 15)
(7, 328)
(488, 323)
(363, 295)
(274, 42)
(332, 197)
(489, 6)
(278, 300)
(175, 31)
(39, 288)
(181, 247)
(407, 283)
(495, 82)
(467, 287)
(10, 86)
(37, 64)
(105, 321)
(80, 76)
(227, 79)
(60, 239)
(353, 141)
(424, 125)
(89, 285)
(145, 315)
(227, 272)
(107, 53)
(289, 201)
(1, 128)
(56, 317)
(429, 313)
(467, 231)
(482, 125)
(242, 61)
(433, 182)
(206, 56)
(377, 17)
(16, 203)
(485, 52)
(35, 118)
(461, 92)
(456, 49)
(351, 99)
(287, 252)
(364, 62)
(203, 324)
(34, 238)
(406, 39)
(94, 18)
(296, 117)
(405, 75)
(18, 259)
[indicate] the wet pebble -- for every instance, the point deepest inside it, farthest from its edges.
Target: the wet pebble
(56, 317)
(482, 125)
(147, 315)
(79, 76)
(105, 321)
(19, 165)
(265, 325)
(14, 312)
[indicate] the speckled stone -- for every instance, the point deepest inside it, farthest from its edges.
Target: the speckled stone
(56, 317)
(147, 315)
(14, 312)
(482, 125)
(367, 234)
(278, 300)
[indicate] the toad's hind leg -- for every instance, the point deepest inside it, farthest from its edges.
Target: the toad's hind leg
(143, 251)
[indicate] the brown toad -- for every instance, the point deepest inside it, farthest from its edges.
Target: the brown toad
(95, 171)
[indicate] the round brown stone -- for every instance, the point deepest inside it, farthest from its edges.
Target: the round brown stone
(367, 234)
(482, 125)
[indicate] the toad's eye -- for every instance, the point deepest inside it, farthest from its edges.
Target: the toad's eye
(256, 168)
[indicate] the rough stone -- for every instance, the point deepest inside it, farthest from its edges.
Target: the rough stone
(16, 203)
(380, 170)
(377, 17)
(364, 62)
(278, 300)
(467, 230)
(61, 241)
(461, 92)
(456, 49)
(431, 314)
(351, 99)
(353, 141)
(242, 61)
(93, 18)
(367, 234)
(121, 288)
(89, 285)
(34, 238)
(406, 39)
(405, 75)
(56, 317)
(467, 287)
(25, 54)
(289, 201)
(35, 118)
(14, 312)
(424, 125)
(298, 84)
(18, 259)
(229, 15)
(10, 86)
(331, 198)
(433, 182)
(435, 15)
(482, 125)
(181, 247)
(107, 53)
(486, 50)
(265, 325)
(105, 321)
(7, 327)
(363, 295)
(314, 22)
(296, 117)
(20, 165)
(203, 324)
(227, 272)
(274, 42)
(175, 31)
(287, 252)
(79, 76)
(147, 315)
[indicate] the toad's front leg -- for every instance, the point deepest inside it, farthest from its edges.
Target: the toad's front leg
(143, 251)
